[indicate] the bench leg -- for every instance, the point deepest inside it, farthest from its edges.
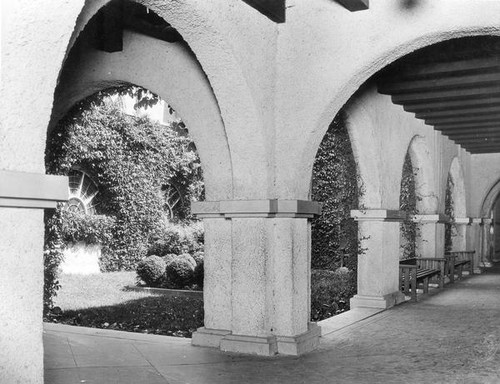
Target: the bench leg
(460, 268)
(452, 274)
(426, 285)
(441, 280)
(471, 270)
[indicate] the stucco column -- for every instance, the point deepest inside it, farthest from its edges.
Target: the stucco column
(480, 256)
(378, 266)
(431, 241)
(257, 277)
(22, 197)
(487, 238)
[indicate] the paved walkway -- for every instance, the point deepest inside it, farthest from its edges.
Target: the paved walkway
(450, 336)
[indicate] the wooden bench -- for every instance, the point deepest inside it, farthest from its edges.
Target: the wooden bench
(420, 270)
(456, 261)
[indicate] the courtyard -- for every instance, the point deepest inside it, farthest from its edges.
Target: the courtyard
(449, 336)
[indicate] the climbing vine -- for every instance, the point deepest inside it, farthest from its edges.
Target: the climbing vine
(335, 185)
(450, 229)
(409, 230)
(134, 161)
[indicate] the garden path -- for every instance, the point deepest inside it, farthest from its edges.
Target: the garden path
(449, 336)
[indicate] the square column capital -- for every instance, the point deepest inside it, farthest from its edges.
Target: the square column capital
(378, 215)
(274, 208)
(32, 190)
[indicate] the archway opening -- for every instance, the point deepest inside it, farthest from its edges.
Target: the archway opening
(124, 161)
(334, 234)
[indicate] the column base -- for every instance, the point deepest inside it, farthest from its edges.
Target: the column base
(252, 345)
(258, 345)
(386, 301)
(205, 337)
(298, 345)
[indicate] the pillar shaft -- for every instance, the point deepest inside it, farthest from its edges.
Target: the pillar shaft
(257, 278)
(378, 265)
(21, 296)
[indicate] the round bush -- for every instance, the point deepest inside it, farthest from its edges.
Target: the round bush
(189, 258)
(151, 270)
(198, 257)
(179, 272)
(169, 257)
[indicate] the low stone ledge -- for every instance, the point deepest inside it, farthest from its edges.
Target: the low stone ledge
(166, 292)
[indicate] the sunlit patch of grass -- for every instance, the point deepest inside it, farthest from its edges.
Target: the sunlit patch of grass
(100, 301)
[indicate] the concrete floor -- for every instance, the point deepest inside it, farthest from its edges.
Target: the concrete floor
(450, 336)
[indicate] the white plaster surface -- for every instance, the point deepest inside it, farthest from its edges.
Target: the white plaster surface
(21, 296)
(81, 259)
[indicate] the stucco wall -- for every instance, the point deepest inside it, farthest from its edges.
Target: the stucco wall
(485, 174)
(381, 134)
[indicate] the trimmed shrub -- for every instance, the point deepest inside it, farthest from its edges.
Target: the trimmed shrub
(198, 257)
(179, 272)
(178, 239)
(151, 270)
(330, 292)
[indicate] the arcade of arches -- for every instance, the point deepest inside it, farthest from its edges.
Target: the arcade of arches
(258, 96)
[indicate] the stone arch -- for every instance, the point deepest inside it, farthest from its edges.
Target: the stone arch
(215, 60)
(459, 203)
(174, 76)
(360, 78)
(421, 160)
(490, 199)
(366, 158)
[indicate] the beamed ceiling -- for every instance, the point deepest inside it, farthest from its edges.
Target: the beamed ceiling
(454, 87)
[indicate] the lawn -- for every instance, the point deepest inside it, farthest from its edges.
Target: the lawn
(100, 301)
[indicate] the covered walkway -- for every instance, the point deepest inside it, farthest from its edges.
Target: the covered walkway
(450, 336)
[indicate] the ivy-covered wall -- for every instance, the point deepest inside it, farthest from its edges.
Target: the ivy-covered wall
(134, 161)
(409, 230)
(335, 185)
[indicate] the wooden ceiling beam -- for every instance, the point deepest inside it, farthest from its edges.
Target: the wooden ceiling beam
(451, 127)
(354, 5)
(465, 93)
(490, 148)
(483, 111)
(463, 119)
(440, 83)
(274, 10)
(451, 104)
(415, 71)
(473, 136)
(482, 151)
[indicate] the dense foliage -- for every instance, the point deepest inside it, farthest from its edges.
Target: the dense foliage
(330, 292)
(90, 229)
(409, 230)
(450, 229)
(134, 161)
(171, 271)
(335, 185)
(52, 256)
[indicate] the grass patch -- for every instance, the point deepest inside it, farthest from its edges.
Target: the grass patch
(100, 301)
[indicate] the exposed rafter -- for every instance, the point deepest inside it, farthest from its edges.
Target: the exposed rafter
(272, 9)
(354, 5)
(455, 88)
